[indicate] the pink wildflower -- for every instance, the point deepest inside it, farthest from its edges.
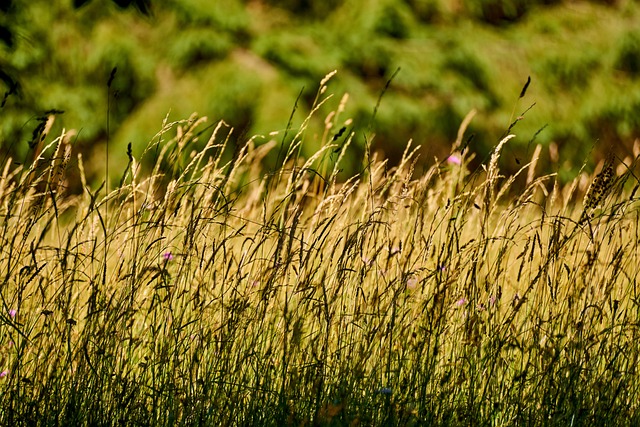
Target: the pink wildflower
(454, 159)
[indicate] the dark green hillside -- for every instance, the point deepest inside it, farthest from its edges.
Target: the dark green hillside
(248, 61)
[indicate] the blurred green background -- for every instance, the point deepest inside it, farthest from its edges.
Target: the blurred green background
(246, 61)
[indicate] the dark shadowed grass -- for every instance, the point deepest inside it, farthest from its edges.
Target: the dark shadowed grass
(218, 294)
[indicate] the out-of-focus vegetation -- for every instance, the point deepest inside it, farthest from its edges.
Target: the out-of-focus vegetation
(248, 61)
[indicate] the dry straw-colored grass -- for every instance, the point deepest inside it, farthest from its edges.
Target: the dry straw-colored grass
(218, 293)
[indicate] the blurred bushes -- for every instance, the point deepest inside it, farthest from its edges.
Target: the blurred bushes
(229, 16)
(425, 11)
(307, 8)
(393, 21)
(295, 54)
(246, 61)
(198, 45)
(571, 71)
(497, 11)
(628, 54)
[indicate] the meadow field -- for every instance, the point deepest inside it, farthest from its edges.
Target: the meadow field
(210, 289)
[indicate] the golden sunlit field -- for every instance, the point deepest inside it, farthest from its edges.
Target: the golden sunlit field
(212, 290)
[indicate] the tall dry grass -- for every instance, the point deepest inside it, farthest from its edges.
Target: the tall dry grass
(218, 293)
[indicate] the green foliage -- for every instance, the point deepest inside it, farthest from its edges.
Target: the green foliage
(451, 61)
(426, 11)
(497, 11)
(229, 16)
(368, 58)
(468, 67)
(628, 55)
(393, 21)
(144, 6)
(571, 71)
(198, 45)
(307, 8)
(295, 54)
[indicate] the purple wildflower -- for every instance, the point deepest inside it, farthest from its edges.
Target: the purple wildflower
(167, 256)
(454, 159)
(462, 301)
(4, 373)
(13, 313)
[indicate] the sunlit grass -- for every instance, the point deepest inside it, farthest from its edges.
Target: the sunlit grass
(215, 292)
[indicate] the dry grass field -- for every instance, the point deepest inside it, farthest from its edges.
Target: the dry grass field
(221, 292)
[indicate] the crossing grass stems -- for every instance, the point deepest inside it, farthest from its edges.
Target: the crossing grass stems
(222, 293)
